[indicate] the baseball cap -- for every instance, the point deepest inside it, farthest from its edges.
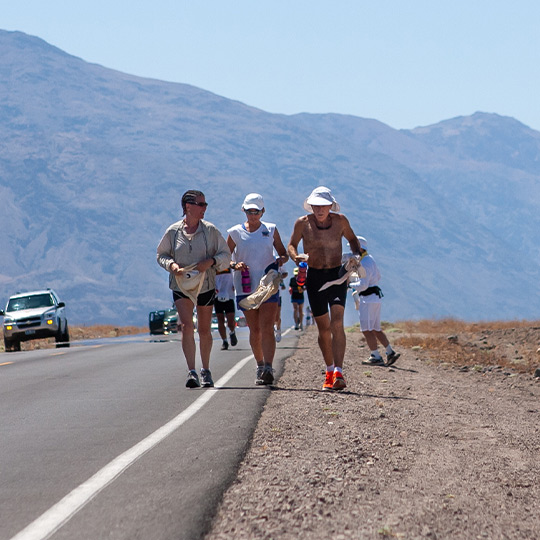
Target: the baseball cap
(321, 196)
(253, 201)
(362, 240)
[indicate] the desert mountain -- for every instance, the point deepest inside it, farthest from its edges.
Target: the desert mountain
(93, 163)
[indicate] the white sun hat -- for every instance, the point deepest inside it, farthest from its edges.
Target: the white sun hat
(253, 201)
(190, 282)
(321, 196)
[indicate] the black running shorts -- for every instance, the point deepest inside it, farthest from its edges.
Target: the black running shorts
(336, 294)
(223, 307)
(204, 299)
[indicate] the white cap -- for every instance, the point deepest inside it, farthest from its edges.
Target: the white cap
(321, 196)
(253, 201)
(363, 242)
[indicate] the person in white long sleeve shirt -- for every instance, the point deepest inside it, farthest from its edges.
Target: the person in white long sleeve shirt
(369, 309)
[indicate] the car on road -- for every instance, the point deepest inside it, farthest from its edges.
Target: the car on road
(164, 321)
(213, 322)
(34, 315)
(240, 321)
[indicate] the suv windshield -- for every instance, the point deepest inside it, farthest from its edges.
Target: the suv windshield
(30, 302)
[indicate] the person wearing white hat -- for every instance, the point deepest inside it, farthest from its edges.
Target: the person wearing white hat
(369, 309)
(321, 232)
(192, 250)
(254, 244)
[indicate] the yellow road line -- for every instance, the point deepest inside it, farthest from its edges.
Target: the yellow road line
(6, 363)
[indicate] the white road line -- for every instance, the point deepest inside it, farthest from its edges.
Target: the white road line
(51, 520)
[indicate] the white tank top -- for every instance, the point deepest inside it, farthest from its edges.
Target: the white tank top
(256, 249)
(224, 287)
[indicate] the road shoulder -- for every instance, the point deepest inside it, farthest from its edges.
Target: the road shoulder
(418, 450)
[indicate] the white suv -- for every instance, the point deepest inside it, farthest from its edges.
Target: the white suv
(34, 315)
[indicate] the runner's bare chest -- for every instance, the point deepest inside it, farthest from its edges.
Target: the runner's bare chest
(323, 244)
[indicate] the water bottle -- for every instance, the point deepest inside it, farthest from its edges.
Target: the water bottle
(191, 273)
(246, 281)
(302, 274)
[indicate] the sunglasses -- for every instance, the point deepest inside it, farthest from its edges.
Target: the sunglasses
(201, 204)
(253, 212)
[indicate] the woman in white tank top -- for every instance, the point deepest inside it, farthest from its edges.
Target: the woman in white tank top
(253, 245)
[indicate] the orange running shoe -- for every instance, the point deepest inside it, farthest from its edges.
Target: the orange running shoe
(328, 381)
(339, 381)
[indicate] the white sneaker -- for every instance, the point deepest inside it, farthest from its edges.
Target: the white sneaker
(373, 361)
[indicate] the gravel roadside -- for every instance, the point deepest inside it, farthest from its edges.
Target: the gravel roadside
(419, 450)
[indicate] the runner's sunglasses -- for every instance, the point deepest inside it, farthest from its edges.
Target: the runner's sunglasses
(201, 204)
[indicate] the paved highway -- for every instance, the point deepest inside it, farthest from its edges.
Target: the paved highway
(103, 440)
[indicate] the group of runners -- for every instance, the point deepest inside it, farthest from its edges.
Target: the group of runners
(201, 263)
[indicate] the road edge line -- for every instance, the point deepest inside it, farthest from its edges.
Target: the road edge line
(61, 512)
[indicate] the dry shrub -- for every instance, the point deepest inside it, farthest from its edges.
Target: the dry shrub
(508, 344)
(106, 330)
(448, 351)
(78, 333)
(450, 325)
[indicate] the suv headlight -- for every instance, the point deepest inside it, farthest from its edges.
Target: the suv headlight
(50, 316)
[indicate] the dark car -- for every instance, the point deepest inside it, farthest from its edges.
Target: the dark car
(164, 321)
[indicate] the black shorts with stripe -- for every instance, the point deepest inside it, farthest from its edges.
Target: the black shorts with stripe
(334, 295)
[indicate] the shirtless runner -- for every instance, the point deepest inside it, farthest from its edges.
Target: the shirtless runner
(321, 233)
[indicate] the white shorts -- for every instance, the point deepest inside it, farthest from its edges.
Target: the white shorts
(370, 316)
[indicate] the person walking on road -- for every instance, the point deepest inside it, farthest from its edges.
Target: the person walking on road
(253, 245)
(224, 308)
(297, 300)
(369, 310)
(277, 325)
(192, 250)
(321, 232)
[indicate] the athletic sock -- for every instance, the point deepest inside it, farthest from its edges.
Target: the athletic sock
(338, 369)
(375, 353)
(389, 349)
(330, 368)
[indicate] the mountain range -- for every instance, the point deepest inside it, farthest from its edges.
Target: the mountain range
(93, 164)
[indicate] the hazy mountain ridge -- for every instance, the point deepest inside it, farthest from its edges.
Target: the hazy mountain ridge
(94, 162)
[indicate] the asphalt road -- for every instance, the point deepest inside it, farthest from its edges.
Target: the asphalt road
(103, 440)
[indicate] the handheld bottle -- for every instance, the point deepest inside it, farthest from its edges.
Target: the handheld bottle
(246, 281)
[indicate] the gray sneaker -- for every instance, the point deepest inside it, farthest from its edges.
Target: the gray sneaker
(192, 380)
(392, 357)
(206, 377)
(374, 361)
(267, 375)
(259, 377)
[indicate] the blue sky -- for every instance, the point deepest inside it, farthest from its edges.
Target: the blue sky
(404, 62)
